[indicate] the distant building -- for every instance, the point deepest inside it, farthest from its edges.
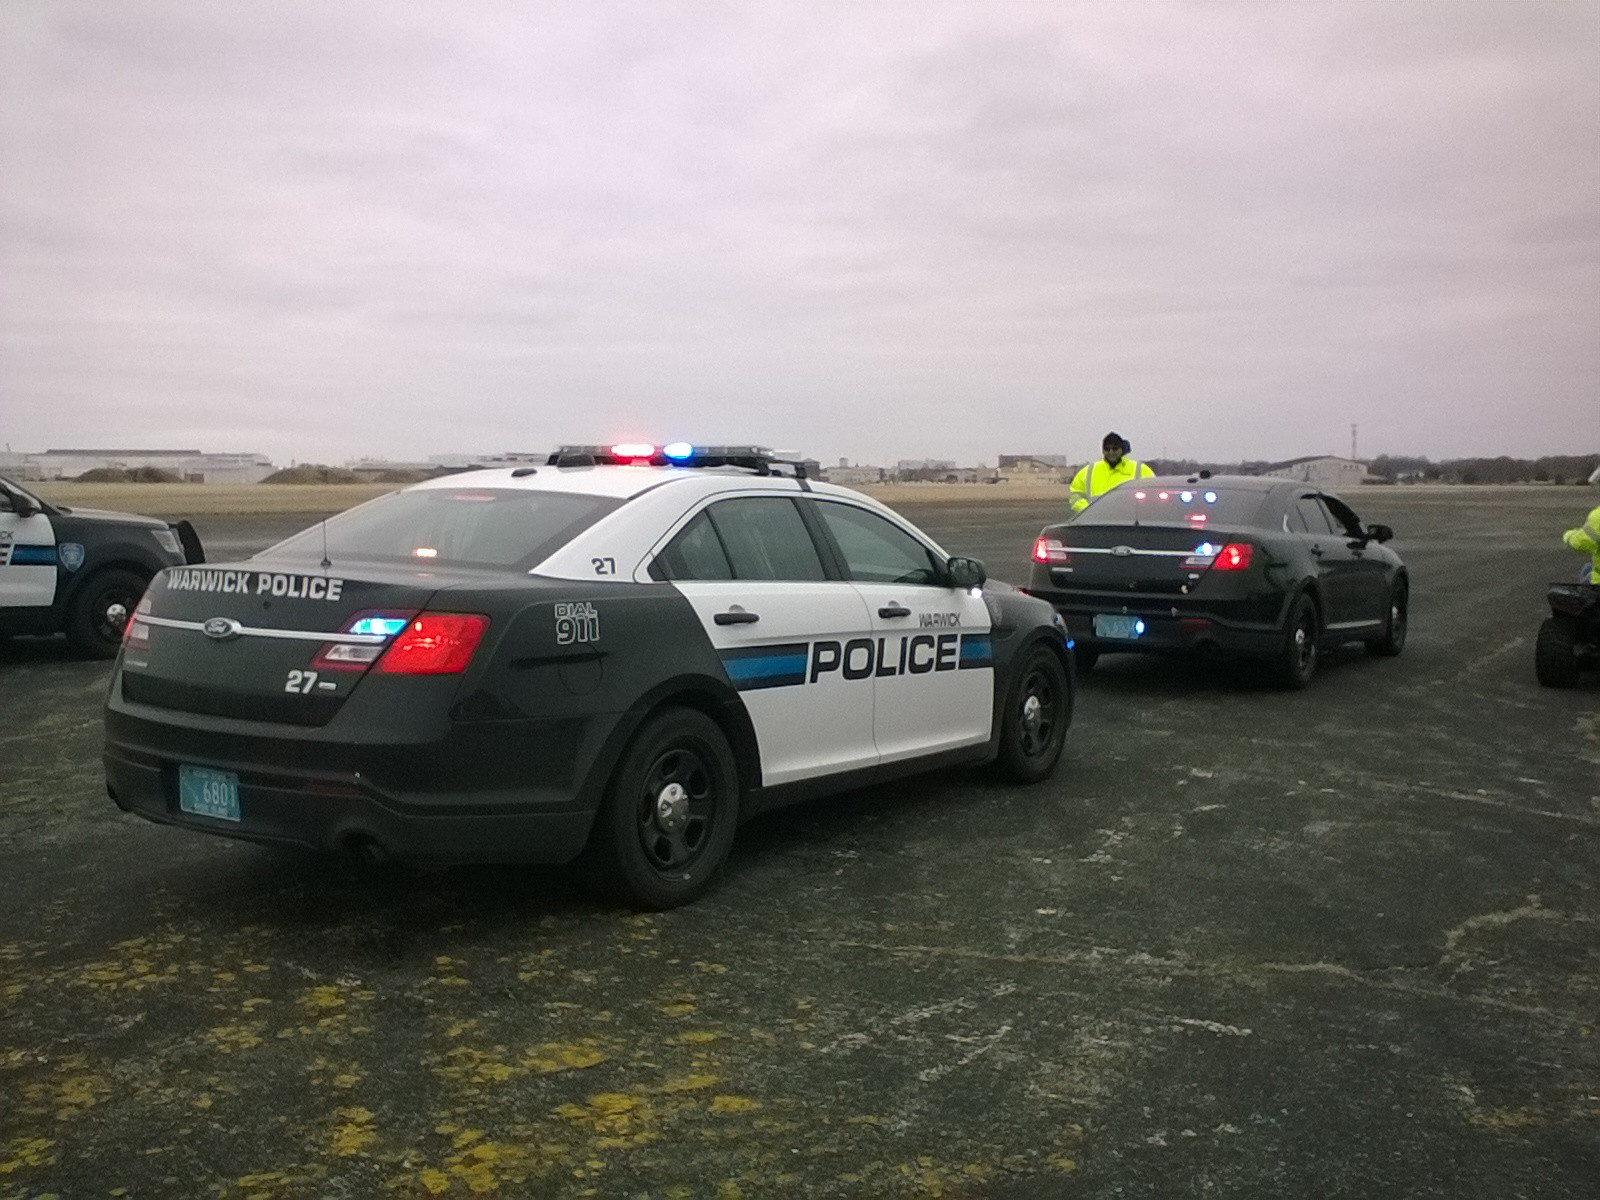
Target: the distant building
(1323, 470)
(192, 466)
(849, 475)
(500, 458)
(943, 472)
(379, 470)
(1033, 468)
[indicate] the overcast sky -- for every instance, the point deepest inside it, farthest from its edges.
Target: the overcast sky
(874, 231)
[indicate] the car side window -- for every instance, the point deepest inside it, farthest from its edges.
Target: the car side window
(766, 538)
(696, 553)
(876, 550)
(1310, 517)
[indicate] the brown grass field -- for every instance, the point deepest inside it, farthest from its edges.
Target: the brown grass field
(174, 500)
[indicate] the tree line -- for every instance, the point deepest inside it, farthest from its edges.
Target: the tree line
(1407, 468)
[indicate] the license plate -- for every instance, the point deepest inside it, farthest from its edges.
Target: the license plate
(207, 793)
(1115, 625)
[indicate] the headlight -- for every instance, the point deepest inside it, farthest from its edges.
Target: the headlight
(167, 540)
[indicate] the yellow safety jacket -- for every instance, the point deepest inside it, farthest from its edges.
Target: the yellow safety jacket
(1098, 478)
(1586, 540)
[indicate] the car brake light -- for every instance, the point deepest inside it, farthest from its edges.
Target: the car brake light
(435, 644)
(1048, 550)
(1235, 556)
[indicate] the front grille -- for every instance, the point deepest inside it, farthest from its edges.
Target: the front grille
(216, 702)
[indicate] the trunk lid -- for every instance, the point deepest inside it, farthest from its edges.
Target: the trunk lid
(250, 640)
(1149, 560)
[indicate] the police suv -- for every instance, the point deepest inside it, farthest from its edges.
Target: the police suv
(620, 654)
(80, 570)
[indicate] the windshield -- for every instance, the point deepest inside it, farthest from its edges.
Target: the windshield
(495, 528)
(1191, 505)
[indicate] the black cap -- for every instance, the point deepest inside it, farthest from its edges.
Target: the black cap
(1117, 439)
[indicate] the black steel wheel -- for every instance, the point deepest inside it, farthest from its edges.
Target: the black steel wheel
(1555, 654)
(1394, 627)
(1297, 660)
(101, 610)
(1036, 716)
(668, 817)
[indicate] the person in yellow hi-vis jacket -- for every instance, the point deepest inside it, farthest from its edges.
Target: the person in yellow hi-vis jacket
(1113, 469)
(1586, 540)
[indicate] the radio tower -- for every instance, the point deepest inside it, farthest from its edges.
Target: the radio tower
(1353, 455)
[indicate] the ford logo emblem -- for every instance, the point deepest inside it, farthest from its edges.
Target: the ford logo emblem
(1122, 551)
(221, 628)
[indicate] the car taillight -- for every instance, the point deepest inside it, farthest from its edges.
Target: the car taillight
(1235, 556)
(1048, 550)
(435, 644)
(380, 626)
(134, 630)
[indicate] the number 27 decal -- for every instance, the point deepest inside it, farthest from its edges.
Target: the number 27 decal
(604, 566)
(300, 683)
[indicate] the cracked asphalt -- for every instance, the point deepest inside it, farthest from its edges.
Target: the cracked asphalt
(1344, 942)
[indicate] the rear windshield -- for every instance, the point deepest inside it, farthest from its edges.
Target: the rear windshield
(507, 528)
(1189, 505)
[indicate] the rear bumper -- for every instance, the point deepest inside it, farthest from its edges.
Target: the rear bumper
(1169, 628)
(519, 794)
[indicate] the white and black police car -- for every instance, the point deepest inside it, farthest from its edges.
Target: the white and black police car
(80, 571)
(620, 655)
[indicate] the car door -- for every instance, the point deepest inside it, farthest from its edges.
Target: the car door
(751, 570)
(1369, 564)
(928, 643)
(27, 556)
(1309, 519)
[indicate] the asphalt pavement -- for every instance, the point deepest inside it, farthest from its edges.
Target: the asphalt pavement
(1343, 942)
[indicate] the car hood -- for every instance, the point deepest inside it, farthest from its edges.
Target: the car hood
(111, 518)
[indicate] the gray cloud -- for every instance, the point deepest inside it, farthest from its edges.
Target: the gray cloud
(876, 231)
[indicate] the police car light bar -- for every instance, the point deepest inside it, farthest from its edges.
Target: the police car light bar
(674, 454)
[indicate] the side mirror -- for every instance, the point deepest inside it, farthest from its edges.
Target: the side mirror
(965, 573)
(1379, 533)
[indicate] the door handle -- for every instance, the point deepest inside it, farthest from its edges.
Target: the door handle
(894, 610)
(736, 616)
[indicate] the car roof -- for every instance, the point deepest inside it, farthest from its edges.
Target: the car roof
(628, 482)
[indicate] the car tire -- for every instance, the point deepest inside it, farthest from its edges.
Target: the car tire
(1033, 725)
(1297, 660)
(101, 609)
(1555, 654)
(1394, 627)
(668, 816)
(1084, 657)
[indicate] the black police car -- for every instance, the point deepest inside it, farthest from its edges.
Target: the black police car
(1270, 569)
(621, 654)
(80, 570)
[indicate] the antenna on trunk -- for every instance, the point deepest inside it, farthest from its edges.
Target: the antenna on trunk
(325, 561)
